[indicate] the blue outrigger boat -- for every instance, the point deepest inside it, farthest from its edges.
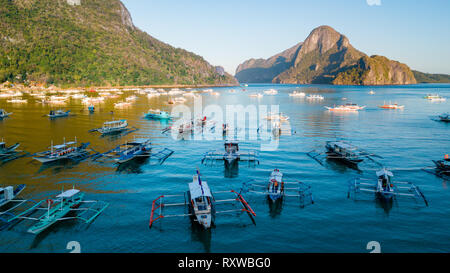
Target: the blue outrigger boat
(55, 210)
(157, 114)
(4, 114)
(138, 148)
(10, 153)
(58, 114)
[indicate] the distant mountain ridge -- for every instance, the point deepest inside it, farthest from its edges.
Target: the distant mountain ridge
(91, 42)
(326, 57)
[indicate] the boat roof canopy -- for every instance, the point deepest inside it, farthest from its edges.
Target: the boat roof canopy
(138, 141)
(68, 194)
(343, 145)
(384, 172)
(196, 190)
(277, 175)
(115, 121)
(60, 146)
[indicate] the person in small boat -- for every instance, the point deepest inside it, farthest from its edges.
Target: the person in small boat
(384, 182)
(52, 112)
(275, 185)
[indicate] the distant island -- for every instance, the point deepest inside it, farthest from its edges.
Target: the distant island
(91, 43)
(327, 57)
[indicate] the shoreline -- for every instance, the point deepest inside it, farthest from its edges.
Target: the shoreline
(20, 87)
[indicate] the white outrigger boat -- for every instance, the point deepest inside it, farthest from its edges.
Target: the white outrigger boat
(112, 127)
(17, 101)
(53, 210)
(271, 92)
(4, 114)
(385, 189)
(276, 117)
(231, 155)
(276, 189)
(434, 97)
(67, 150)
(297, 94)
(348, 107)
(315, 97)
(202, 204)
(256, 95)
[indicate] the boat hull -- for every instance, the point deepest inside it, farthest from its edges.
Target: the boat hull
(133, 156)
(154, 116)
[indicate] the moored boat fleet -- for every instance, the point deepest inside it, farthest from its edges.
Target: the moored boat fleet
(200, 200)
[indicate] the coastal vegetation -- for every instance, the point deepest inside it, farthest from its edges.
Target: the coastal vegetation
(95, 43)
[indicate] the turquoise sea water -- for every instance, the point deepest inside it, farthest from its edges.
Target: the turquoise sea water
(406, 139)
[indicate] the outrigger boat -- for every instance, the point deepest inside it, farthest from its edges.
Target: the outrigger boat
(277, 117)
(391, 106)
(67, 150)
(201, 203)
(442, 167)
(10, 153)
(276, 189)
(57, 209)
(113, 127)
(4, 150)
(8, 194)
(385, 189)
(4, 114)
(315, 97)
(348, 107)
(297, 94)
(138, 148)
(434, 97)
(444, 117)
(344, 151)
(271, 92)
(58, 113)
(231, 155)
(157, 114)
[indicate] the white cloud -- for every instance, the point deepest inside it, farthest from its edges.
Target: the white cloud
(373, 2)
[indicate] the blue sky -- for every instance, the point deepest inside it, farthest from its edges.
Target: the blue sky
(228, 32)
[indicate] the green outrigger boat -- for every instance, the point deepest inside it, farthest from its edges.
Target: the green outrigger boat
(57, 209)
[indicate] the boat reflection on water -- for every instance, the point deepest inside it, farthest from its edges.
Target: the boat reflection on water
(231, 170)
(385, 204)
(275, 207)
(202, 235)
(133, 166)
(341, 166)
(59, 166)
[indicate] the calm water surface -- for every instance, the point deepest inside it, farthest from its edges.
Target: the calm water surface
(407, 140)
